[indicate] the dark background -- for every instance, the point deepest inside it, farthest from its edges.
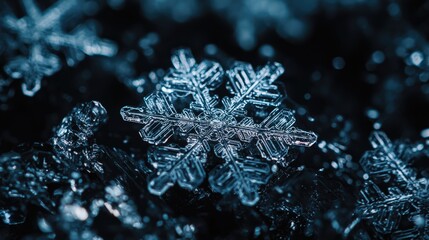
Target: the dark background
(351, 33)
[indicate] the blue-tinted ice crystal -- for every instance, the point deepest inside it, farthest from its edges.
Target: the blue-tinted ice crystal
(54, 177)
(27, 173)
(71, 140)
(227, 128)
(25, 176)
(393, 194)
(39, 34)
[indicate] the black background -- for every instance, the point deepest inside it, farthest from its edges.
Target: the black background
(353, 34)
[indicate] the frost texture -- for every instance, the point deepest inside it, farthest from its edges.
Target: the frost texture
(77, 182)
(25, 176)
(27, 173)
(72, 138)
(393, 194)
(228, 129)
(40, 33)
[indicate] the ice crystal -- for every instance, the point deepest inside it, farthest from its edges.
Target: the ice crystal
(229, 130)
(78, 182)
(393, 193)
(27, 172)
(39, 34)
(25, 176)
(72, 137)
(108, 197)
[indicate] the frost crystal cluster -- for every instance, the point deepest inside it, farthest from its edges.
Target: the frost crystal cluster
(76, 182)
(72, 139)
(27, 173)
(226, 126)
(39, 34)
(394, 200)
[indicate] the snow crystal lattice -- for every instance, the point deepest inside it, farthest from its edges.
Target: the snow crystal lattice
(406, 196)
(71, 139)
(39, 33)
(229, 127)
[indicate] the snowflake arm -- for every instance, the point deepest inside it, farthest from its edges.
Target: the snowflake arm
(31, 9)
(404, 198)
(158, 116)
(252, 87)
(33, 68)
(384, 211)
(52, 16)
(274, 134)
(82, 41)
(173, 164)
(240, 175)
(189, 78)
(383, 161)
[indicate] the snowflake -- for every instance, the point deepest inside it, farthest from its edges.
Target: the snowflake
(39, 33)
(406, 195)
(228, 128)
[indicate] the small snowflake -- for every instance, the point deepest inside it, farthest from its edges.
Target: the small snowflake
(228, 129)
(406, 195)
(38, 34)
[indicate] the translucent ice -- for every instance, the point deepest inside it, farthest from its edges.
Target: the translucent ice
(72, 136)
(25, 176)
(80, 185)
(28, 173)
(40, 33)
(393, 195)
(229, 130)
